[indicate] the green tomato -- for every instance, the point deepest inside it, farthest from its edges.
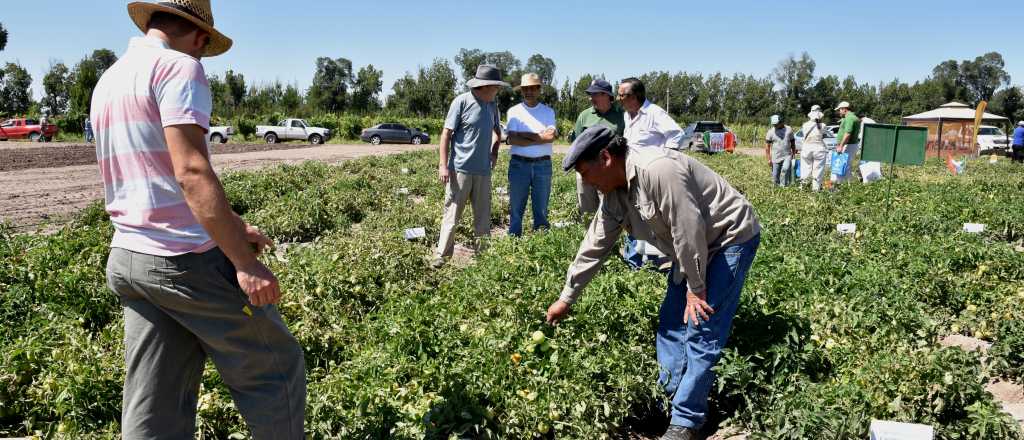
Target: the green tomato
(537, 337)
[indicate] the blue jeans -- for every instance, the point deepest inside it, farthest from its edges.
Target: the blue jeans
(780, 172)
(687, 353)
(634, 259)
(533, 180)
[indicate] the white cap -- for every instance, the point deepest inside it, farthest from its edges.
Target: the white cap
(775, 119)
(843, 104)
(1021, 123)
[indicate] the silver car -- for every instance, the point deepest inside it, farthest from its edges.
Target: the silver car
(831, 142)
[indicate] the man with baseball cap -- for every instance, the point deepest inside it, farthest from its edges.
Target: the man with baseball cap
(603, 111)
(468, 152)
(707, 228)
(849, 141)
(779, 147)
(1017, 153)
(184, 265)
(531, 130)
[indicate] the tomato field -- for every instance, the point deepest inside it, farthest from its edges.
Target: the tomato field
(832, 332)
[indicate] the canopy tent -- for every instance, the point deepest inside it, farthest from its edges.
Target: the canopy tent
(951, 128)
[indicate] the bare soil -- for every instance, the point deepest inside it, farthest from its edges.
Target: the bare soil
(50, 182)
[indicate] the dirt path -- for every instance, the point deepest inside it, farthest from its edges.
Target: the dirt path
(30, 198)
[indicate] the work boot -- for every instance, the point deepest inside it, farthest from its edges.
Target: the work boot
(676, 432)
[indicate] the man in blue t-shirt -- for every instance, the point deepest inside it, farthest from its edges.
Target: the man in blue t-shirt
(469, 150)
(1018, 143)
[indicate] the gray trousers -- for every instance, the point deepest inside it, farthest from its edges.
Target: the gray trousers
(464, 189)
(179, 310)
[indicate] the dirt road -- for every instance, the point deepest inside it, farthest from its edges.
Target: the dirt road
(51, 191)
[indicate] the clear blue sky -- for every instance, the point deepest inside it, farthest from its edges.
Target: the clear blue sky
(280, 40)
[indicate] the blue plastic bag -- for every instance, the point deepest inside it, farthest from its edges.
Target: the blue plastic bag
(840, 163)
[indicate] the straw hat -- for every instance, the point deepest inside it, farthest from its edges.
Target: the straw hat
(529, 79)
(196, 11)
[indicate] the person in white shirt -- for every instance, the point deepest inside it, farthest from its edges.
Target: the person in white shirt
(531, 130)
(813, 151)
(647, 125)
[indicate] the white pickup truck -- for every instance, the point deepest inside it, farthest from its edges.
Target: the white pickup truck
(219, 135)
(293, 129)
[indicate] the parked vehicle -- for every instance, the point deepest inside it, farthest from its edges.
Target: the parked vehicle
(291, 130)
(693, 134)
(831, 141)
(219, 135)
(992, 140)
(20, 128)
(394, 134)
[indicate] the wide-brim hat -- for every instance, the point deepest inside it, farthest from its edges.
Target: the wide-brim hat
(843, 105)
(486, 75)
(196, 11)
(529, 80)
(815, 114)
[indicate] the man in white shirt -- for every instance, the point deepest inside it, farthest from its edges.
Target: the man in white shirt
(531, 130)
(647, 125)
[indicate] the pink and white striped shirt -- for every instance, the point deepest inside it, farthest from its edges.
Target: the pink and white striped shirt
(149, 88)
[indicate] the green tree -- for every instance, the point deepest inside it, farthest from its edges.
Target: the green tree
(984, 75)
(947, 76)
(15, 95)
(367, 88)
(330, 84)
(291, 100)
(794, 77)
(428, 94)
(3, 37)
(55, 85)
(83, 80)
(235, 87)
(1009, 102)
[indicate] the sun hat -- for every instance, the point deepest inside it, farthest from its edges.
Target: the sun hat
(843, 104)
(529, 80)
(1021, 123)
(196, 11)
(815, 112)
(600, 86)
(775, 119)
(594, 138)
(486, 75)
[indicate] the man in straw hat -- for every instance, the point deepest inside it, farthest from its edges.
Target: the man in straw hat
(813, 151)
(531, 130)
(603, 111)
(184, 265)
(849, 141)
(710, 233)
(469, 151)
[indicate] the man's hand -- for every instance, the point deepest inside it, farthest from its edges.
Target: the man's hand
(255, 236)
(558, 310)
(548, 135)
(442, 174)
(697, 305)
(841, 148)
(259, 284)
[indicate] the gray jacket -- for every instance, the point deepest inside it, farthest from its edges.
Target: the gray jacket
(674, 202)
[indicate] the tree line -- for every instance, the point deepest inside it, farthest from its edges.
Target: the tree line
(338, 88)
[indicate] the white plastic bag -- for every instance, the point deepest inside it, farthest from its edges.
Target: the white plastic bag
(871, 171)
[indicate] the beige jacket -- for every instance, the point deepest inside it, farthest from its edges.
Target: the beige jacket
(674, 202)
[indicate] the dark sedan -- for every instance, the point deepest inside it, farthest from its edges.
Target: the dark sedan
(394, 134)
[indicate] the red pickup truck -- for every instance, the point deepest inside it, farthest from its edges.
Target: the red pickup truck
(26, 129)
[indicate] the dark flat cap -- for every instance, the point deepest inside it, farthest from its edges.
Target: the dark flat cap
(600, 86)
(587, 145)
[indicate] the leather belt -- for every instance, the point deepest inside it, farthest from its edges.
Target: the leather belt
(531, 159)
